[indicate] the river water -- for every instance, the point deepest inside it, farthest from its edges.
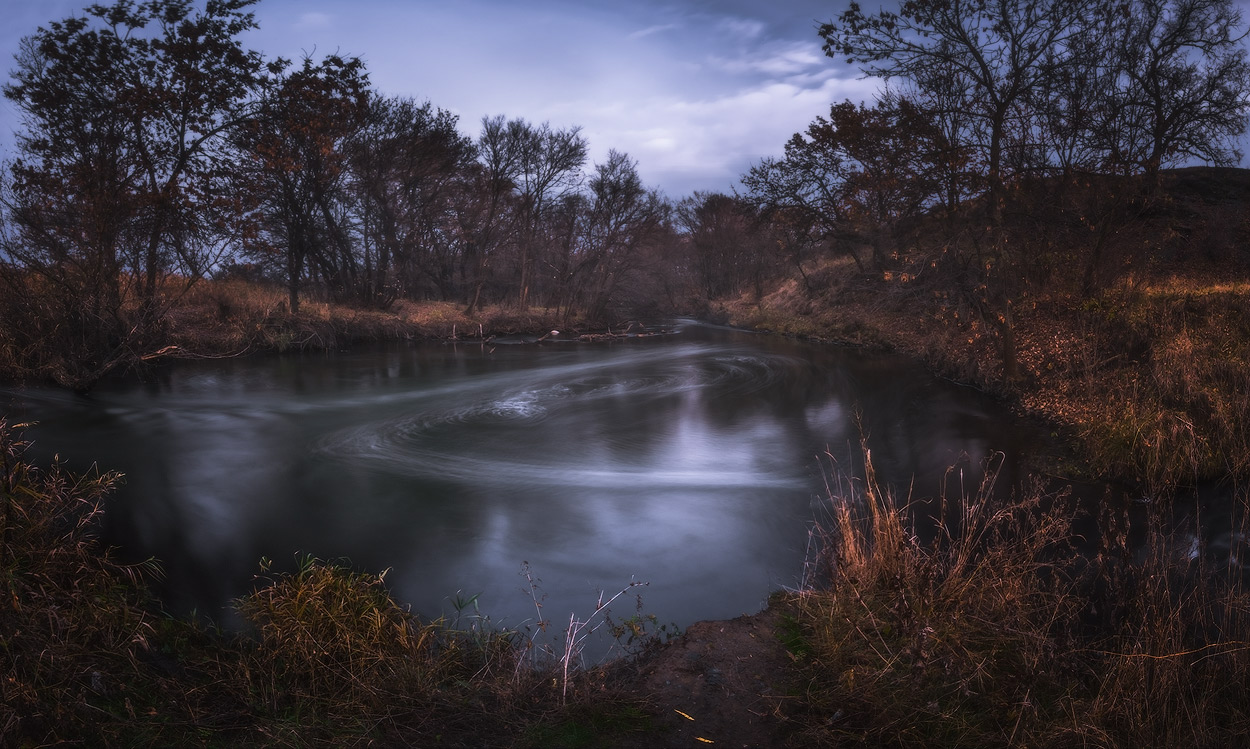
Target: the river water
(694, 461)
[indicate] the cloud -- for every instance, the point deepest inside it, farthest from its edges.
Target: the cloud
(775, 60)
(695, 97)
(684, 145)
(652, 30)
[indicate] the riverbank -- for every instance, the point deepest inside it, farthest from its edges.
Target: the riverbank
(993, 635)
(214, 319)
(218, 318)
(1146, 382)
(1144, 373)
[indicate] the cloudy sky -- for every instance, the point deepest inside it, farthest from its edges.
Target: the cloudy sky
(696, 91)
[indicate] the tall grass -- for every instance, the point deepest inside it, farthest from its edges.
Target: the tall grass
(996, 632)
(1174, 659)
(73, 623)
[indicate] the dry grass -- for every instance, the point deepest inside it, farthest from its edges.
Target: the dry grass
(228, 317)
(955, 642)
(888, 310)
(72, 623)
(1175, 668)
(1152, 379)
(332, 639)
(218, 318)
(334, 657)
(994, 633)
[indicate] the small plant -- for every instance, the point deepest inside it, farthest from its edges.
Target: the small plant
(631, 632)
(578, 630)
(334, 637)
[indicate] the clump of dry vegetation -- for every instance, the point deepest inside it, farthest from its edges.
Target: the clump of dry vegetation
(72, 621)
(995, 633)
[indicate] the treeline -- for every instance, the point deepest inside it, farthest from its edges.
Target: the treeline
(158, 151)
(1014, 145)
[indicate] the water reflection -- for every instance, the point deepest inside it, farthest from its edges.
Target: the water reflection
(689, 461)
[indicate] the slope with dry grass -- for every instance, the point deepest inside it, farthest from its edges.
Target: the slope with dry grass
(1146, 370)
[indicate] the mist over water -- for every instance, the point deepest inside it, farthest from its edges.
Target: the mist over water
(695, 461)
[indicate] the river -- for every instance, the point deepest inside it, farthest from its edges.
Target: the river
(694, 461)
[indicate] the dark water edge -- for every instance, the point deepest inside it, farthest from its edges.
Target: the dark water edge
(695, 461)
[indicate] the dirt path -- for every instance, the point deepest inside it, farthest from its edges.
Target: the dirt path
(721, 684)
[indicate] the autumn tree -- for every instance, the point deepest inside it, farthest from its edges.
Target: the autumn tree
(125, 112)
(855, 176)
(890, 150)
(799, 196)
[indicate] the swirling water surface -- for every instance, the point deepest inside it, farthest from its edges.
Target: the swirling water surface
(691, 461)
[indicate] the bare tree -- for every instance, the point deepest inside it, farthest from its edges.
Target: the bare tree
(991, 52)
(526, 171)
(624, 216)
(486, 219)
(550, 163)
(408, 162)
(729, 252)
(1184, 82)
(294, 168)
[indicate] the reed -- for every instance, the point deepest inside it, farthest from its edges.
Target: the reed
(997, 632)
